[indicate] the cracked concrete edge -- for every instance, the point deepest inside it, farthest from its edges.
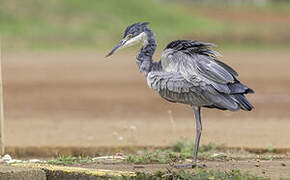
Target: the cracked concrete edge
(74, 171)
(8, 172)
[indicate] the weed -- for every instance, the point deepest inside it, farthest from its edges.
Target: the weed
(70, 160)
(180, 150)
(150, 157)
(270, 150)
(183, 146)
(266, 157)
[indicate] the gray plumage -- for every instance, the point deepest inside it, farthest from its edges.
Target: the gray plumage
(189, 72)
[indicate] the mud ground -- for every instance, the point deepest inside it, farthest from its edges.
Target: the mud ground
(82, 99)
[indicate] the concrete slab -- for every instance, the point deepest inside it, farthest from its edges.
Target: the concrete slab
(8, 172)
(56, 172)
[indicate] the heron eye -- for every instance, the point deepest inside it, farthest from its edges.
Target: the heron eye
(129, 35)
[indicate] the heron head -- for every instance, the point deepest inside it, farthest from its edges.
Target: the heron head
(134, 34)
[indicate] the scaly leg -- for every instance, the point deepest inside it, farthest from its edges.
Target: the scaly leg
(197, 139)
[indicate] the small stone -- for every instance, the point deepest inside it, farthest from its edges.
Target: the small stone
(90, 138)
(34, 160)
(111, 158)
(257, 165)
(139, 166)
(7, 158)
(115, 133)
(219, 155)
(16, 161)
(132, 128)
(119, 154)
(188, 160)
(120, 138)
(283, 164)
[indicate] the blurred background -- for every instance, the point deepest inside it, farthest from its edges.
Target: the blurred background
(59, 90)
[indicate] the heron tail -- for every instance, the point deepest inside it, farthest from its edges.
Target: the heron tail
(243, 102)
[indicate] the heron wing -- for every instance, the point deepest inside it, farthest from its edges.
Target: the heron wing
(191, 74)
(191, 47)
(175, 88)
(208, 68)
(194, 59)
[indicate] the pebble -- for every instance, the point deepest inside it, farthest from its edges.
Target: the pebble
(34, 160)
(283, 164)
(219, 155)
(7, 159)
(257, 165)
(121, 157)
(139, 166)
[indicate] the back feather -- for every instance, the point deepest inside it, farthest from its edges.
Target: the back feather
(199, 66)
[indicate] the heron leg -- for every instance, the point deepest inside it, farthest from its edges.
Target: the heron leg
(196, 144)
(198, 133)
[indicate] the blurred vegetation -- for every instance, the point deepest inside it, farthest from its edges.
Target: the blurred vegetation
(70, 160)
(77, 23)
(100, 24)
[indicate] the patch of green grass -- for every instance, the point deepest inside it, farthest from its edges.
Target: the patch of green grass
(266, 157)
(82, 24)
(180, 150)
(270, 150)
(185, 147)
(274, 5)
(279, 6)
(198, 174)
(86, 23)
(252, 46)
(70, 160)
(157, 156)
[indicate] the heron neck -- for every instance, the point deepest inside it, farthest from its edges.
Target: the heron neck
(144, 58)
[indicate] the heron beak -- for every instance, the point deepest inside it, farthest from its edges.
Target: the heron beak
(121, 43)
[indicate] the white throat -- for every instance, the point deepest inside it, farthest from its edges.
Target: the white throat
(142, 37)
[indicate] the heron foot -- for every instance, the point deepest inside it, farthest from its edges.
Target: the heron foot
(190, 165)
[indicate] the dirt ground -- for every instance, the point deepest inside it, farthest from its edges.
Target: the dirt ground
(83, 99)
(275, 169)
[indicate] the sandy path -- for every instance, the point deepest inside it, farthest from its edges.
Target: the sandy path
(79, 98)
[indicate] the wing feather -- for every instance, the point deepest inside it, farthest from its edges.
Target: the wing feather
(227, 67)
(211, 70)
(191, 74)
(173, 87)
(193, 60)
